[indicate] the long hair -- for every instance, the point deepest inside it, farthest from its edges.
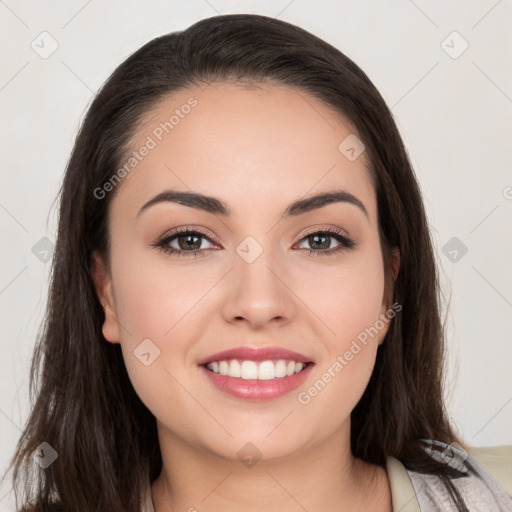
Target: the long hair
(83, 403)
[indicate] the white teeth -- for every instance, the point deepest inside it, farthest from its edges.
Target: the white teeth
(249, 370)
(235, 370)
(223, 367)
(281, 368)
(264, 370)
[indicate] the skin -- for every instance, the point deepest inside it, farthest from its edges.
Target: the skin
(258, 149)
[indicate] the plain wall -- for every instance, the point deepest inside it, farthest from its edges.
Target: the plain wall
(454, 112)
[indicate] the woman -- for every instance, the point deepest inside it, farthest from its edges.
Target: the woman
(243, 312)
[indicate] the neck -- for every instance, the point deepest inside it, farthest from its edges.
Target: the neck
(323, 477)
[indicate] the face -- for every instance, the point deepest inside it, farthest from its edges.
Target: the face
(250, 274)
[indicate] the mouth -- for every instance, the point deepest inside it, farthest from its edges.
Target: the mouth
(261, 373)
(257, 370)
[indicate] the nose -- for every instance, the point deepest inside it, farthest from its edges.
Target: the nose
(259, 293)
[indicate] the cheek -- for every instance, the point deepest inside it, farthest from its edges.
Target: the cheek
(162, 302)
(347, 298)
(157, 304)
(349, 303)
(155, 298)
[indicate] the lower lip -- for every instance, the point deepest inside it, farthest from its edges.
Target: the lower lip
(254, 389)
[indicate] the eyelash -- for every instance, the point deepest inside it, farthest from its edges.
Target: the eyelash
(345, 242)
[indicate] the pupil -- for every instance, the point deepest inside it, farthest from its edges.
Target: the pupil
(325, 245)
(188, 245)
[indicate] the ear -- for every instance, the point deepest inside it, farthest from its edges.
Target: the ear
(103, 284)
(395, 264)
(390, 278)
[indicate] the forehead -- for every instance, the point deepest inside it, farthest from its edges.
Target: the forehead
(269, 144)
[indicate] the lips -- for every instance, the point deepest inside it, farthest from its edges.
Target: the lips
(256, 354)
(256, 373)
(255, 389)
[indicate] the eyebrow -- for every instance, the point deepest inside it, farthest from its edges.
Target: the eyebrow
(216, 206)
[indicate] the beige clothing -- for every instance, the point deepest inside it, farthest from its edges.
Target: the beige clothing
(496, 460)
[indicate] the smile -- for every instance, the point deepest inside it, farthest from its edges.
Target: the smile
(257, 381)
(260, 370)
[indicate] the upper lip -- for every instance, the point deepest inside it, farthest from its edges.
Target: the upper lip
(256, 354)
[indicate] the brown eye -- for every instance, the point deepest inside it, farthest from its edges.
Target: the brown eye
(321, 242)
(186, 242)
(189, 241)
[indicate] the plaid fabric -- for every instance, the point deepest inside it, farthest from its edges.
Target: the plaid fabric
(480, 490)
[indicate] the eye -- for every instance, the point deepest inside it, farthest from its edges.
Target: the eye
(187, 242)
(321, 242)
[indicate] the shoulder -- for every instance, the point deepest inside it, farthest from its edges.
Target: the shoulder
(484, 477)
(497, 460)
(488, 478)
(403, 495)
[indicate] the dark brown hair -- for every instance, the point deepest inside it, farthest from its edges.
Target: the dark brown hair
(84, 405)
